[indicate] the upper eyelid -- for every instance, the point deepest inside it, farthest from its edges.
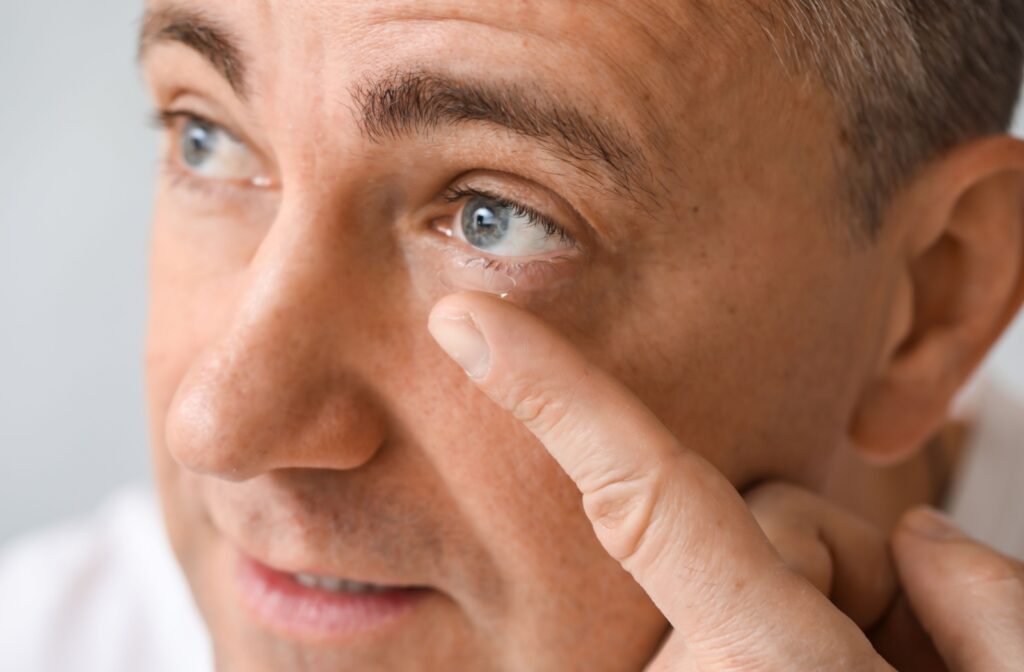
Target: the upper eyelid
(552, 229)
(569, 218)
(167, 117)
(176, 109)
(456, 193)
(453, 194)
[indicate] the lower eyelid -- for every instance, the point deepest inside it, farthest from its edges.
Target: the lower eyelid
(173, 167)
(185, 181)
(468, 275)
(211, 194)
(529, 274)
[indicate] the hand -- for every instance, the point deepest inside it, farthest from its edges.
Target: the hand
(671, 519)
(968, 598)
(962, 606)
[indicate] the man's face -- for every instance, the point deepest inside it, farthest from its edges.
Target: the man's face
(654, 184)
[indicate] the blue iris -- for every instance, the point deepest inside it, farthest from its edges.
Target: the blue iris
(485, 222)
(198, 142)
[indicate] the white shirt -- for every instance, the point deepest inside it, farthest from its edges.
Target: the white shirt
(105, 594)
(102, 594)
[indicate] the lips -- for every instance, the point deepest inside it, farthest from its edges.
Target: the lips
(321, 608)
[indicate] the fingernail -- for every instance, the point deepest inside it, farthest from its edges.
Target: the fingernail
(459, 336)
(931, 524)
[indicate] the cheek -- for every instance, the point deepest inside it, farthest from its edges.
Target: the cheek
(194, 284)
(750, 352)
(198, 264)
(512, 492)
(186, 312)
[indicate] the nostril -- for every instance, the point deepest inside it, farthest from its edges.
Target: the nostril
(235, 419)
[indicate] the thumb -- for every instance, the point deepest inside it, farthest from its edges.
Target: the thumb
(968, 597)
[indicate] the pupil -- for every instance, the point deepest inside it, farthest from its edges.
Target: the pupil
(197, 144)
(484, 222)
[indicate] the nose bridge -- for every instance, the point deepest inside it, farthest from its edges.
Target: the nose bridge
(274, 390)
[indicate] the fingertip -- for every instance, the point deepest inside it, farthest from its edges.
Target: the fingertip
(959, 589)
(483, 332)
(454, 326)
(452, 306)
(490, 313)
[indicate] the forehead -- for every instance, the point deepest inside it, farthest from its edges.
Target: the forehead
(654, 31)
(647, 64)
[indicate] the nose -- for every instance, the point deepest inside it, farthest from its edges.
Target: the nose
(278, 389)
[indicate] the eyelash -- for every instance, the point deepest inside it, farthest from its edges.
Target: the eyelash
(167, 118)
(455, 194)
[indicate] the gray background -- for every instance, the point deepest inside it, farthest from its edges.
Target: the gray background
(77, 162)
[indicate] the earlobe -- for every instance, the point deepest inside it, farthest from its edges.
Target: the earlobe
(961, 225)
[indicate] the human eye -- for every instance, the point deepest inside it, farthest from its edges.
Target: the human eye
(203, 150)
(504, 228)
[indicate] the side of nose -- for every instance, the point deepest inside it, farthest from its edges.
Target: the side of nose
(276, 389)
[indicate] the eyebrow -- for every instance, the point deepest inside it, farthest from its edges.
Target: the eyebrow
(405, 102)
(416, 101)
(199, 32)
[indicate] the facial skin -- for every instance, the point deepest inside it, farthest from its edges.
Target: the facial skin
(300, 411)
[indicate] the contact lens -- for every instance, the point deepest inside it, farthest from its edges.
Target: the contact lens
(477, 275)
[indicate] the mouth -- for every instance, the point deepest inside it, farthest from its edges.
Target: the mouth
(319, 608)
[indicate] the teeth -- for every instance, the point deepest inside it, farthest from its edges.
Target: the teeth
(308, 580)
(334, 585)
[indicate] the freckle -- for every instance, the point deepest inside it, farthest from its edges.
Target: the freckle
(696, 209)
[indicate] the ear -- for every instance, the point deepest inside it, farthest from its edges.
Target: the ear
(959, 228)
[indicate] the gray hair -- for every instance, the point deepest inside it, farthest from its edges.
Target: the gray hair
(911, 79)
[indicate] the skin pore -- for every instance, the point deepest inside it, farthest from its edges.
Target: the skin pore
(300, 411)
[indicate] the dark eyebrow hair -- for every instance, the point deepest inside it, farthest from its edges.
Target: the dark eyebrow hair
(199, 32)
(415, 101)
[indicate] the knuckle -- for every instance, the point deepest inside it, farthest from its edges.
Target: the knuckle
(543, 408)
(777, 496)
(540, 409)
(622, 510)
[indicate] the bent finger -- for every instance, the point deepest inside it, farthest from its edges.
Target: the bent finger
(968, 597)
(843, 556)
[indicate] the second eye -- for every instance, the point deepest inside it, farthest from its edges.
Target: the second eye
(209, 151)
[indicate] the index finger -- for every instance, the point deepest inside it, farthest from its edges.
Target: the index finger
(665, 513)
